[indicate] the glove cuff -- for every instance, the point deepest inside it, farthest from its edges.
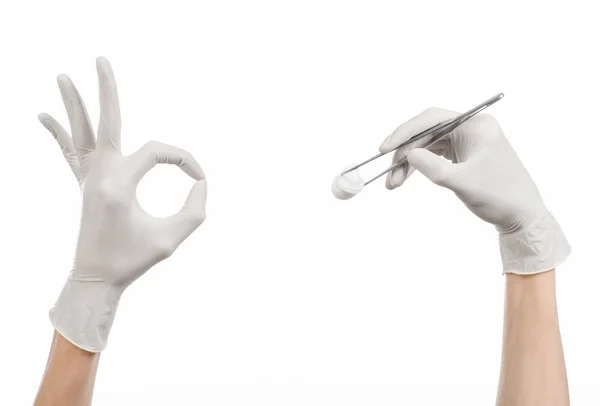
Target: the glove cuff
(539, 248)
(84, 313)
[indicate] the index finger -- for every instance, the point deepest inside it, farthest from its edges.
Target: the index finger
(153, 153)
(414, 126)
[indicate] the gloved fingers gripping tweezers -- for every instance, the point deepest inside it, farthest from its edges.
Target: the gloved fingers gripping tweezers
(437, 132)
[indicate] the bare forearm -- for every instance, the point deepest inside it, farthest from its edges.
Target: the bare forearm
(533, 366)
(69, 377)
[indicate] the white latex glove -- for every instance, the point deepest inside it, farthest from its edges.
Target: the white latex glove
(118, 240)
(487, 175)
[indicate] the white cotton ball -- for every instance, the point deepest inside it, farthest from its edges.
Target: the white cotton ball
(348, 185)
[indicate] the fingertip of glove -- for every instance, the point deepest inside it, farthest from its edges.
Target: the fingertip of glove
(200, 186)
(102, 64)
(414, 154)
(198, 195)
(193, 168)
(63, 79)
(43, 117)
(197, 172)
(388, 182)
(385, 146)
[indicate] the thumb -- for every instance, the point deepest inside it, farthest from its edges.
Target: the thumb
(436, 168)
(193, 213)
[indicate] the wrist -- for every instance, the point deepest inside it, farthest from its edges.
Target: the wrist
(539, 288)
(84, 313)
(540, 247)
(532, 297)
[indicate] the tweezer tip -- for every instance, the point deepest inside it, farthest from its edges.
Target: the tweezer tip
(355, 167)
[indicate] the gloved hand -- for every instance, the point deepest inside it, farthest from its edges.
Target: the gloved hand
(118, 240)
(488, 177)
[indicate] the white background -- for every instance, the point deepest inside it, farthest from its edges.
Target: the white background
(286, 296)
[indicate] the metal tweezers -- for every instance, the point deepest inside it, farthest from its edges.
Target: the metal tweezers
(437, 132)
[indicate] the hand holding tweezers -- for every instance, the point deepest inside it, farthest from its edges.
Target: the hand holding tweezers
(437, 132)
